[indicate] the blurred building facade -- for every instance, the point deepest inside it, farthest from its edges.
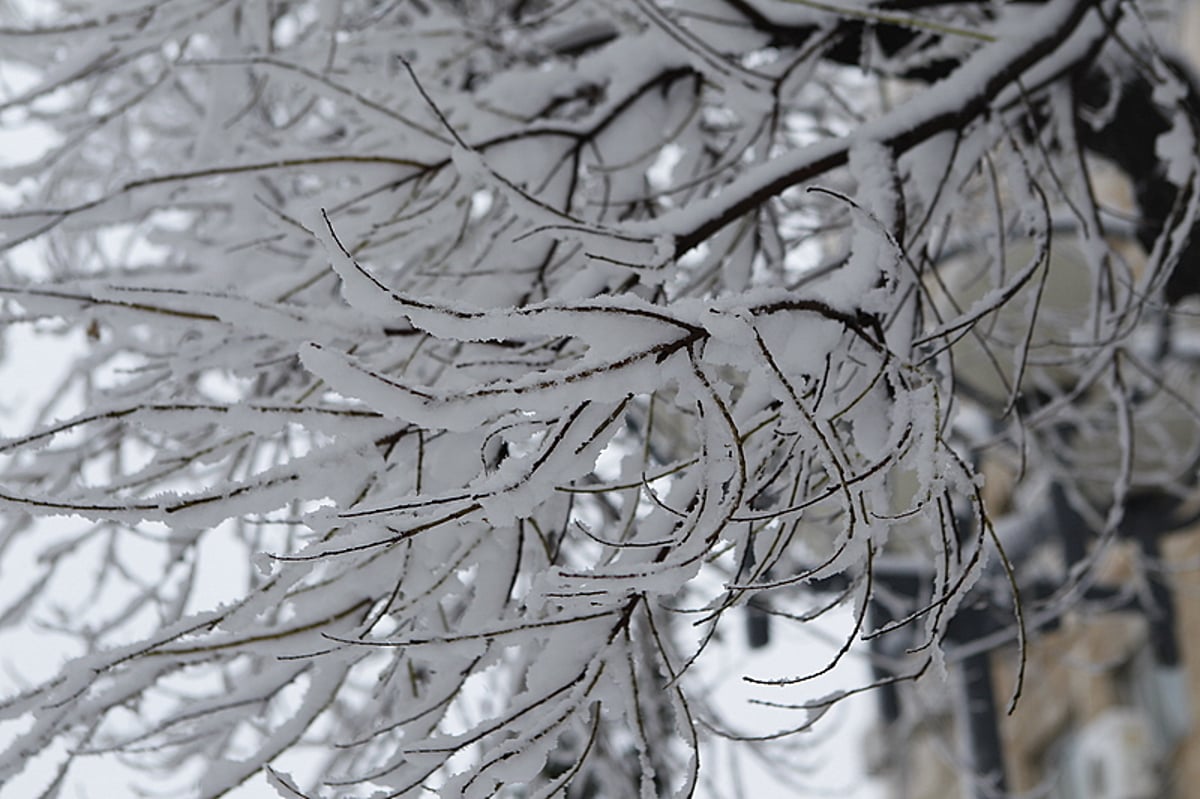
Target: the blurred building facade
(1107, 709)
(1110, 703)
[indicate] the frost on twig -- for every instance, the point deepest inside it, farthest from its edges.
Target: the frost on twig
(510, 351)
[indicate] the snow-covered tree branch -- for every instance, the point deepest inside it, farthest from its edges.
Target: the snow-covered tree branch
(517, 350)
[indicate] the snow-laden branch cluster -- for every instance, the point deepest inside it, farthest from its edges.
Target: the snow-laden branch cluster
(522, 345)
